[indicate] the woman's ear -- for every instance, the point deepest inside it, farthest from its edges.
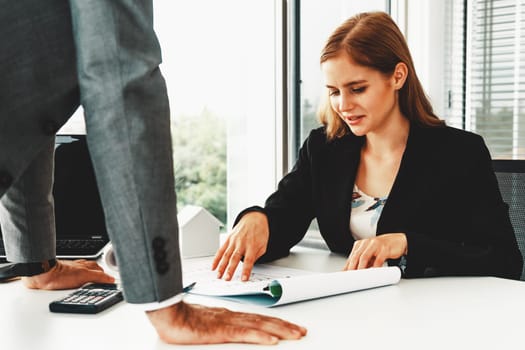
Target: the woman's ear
(400, 75)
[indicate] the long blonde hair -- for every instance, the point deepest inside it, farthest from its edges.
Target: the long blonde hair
(372, 39)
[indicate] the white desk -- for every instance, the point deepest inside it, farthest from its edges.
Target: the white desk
(440, 313)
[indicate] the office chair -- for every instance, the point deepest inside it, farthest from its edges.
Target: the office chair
(511, 179)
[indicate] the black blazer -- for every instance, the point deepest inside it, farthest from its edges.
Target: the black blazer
(445, 198)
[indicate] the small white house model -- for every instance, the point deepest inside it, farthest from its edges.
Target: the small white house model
(198, 232)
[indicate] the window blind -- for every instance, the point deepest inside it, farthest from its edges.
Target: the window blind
(495, 81)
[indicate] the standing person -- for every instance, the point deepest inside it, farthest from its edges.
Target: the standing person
(105, 55)
(386, 179)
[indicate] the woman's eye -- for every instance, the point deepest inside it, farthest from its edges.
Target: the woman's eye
(333, 93)
(359, 90)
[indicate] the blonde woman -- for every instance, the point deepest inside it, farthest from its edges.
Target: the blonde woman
(386, 179)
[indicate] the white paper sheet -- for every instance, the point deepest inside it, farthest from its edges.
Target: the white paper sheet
(297, 285)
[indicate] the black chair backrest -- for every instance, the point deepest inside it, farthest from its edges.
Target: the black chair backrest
(511, 179)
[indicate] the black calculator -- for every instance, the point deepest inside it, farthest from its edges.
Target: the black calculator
(88, 299)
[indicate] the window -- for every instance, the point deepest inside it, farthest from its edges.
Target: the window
(237, 122)
(219, 62)
(474, 69)
(496, 75)
(469, 56)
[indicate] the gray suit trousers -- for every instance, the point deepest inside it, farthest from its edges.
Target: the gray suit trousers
(105, 55)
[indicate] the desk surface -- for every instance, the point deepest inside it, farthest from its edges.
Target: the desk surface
(437, 313)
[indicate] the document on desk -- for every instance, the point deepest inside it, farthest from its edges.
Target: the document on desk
(271, 285)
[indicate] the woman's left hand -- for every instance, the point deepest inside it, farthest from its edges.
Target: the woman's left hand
(373, 252)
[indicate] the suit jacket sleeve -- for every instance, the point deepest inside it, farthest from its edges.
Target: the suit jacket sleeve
(128, 132)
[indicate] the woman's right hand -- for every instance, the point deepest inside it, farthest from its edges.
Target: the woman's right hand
(248, 241)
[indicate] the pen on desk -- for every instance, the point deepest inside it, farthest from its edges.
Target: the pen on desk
(189, 287)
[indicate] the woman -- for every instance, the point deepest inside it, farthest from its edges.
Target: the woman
(386, 180)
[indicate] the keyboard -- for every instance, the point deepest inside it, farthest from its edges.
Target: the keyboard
(73, 248)
(69, 247)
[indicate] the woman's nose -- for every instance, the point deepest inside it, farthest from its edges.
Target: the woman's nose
(346, 103)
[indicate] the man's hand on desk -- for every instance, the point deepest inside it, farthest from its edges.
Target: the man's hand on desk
(68, 274)
(194, 324)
